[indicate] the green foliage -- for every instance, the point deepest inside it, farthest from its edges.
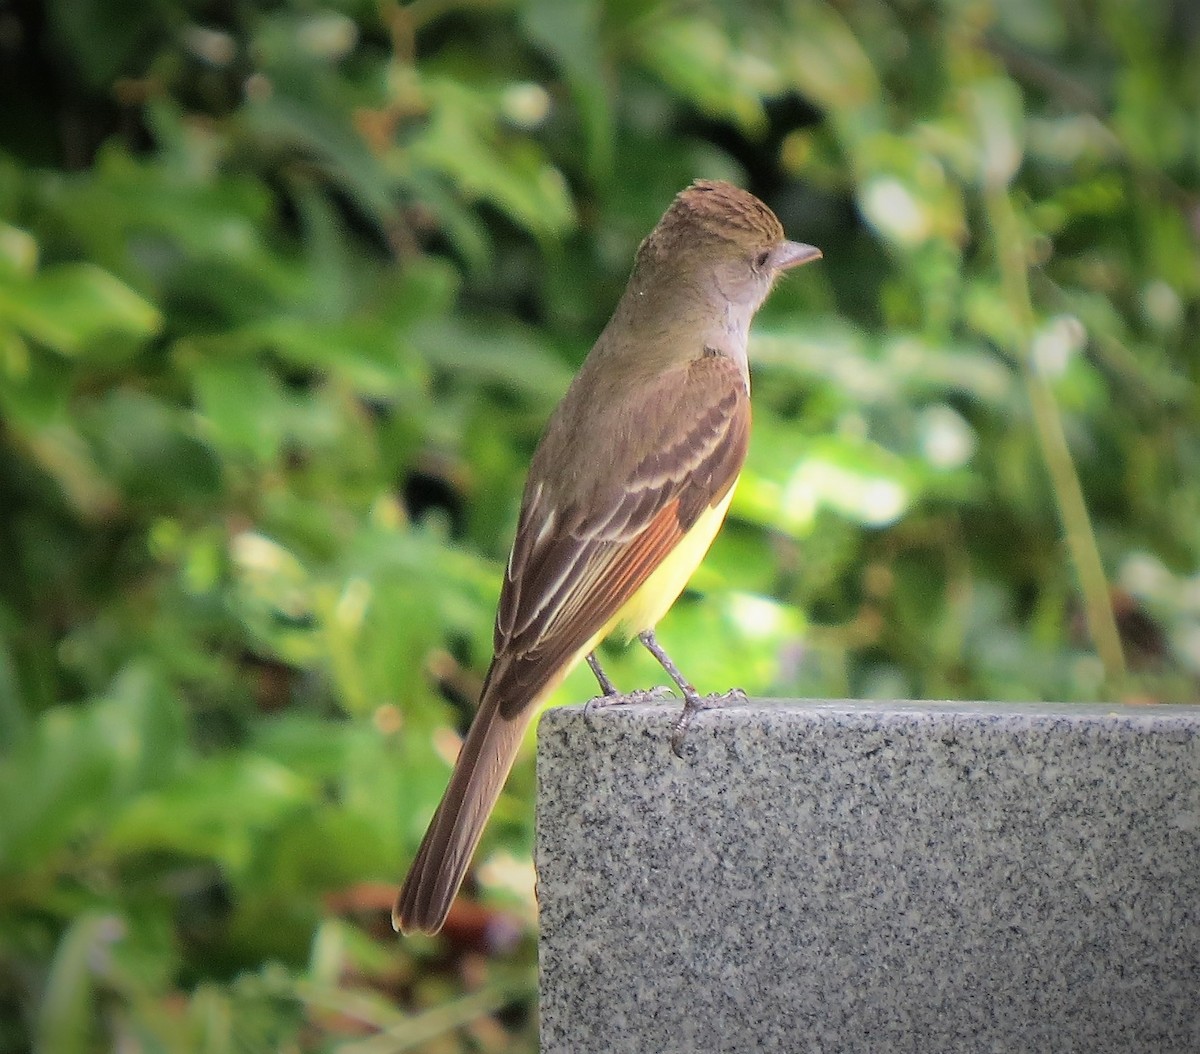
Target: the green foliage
(286, 293)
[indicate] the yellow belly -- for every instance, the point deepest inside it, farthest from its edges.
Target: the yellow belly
(656, 595)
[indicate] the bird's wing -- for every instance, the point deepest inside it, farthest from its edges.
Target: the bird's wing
(573, 568)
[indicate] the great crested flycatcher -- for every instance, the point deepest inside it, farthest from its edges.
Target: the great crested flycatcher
(626, 492)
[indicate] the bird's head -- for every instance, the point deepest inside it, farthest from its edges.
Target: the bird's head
(716, 233)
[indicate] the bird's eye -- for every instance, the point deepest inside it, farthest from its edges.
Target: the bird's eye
(760, 261)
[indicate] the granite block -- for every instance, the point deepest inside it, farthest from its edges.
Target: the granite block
(870, 877)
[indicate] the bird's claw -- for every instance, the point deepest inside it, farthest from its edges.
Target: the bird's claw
(634, 698)
(692, 705)
(641, 695)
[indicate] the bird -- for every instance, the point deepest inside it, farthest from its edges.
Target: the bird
(626, 491)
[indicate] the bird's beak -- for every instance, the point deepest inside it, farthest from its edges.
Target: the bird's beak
(787, 255)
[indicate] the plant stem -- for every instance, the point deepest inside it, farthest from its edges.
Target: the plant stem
(431, 1024)
(1052, 441)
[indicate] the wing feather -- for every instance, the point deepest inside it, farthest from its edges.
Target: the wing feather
(572, 569)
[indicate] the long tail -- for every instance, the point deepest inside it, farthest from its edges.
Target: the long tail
(483, 765)
(441, 863)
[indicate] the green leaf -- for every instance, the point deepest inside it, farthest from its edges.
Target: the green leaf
(105, 37)
(701, 61)
(81, 764)
(826, 61)
(502, 353)
(571, 34)
(998, 113)
(854, 477)
(242, 407)
(68, 1004)
(18, 251)
(75, 308)
(192, 814)
(463, 141)
(145, 445)
(15, 724)
(373, 359)
(906, 196)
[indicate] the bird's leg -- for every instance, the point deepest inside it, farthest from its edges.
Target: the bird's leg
(606, 686)
(692, 702)
(609, 697)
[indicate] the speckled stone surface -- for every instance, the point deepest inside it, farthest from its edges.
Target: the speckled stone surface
(871, 877)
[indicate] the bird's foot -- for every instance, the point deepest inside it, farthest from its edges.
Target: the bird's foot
(641, 695)
(693, 703)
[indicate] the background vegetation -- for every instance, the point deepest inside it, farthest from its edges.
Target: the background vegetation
(287, 291)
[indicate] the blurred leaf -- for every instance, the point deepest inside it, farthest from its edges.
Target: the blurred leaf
(273, 596)
(191, 814)
(571, 34)
(63, 454)
(507, 355)
(244, 407)
(463, 142)
(700, 60)
(71, 307)
(82, 764)
(907, 197)
(65, 1014)
(790, 478)
(14, 721)
(903, 367)
(145, 445)
(828, 64)
(18, 252)
(107, 38)
(997, 111)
